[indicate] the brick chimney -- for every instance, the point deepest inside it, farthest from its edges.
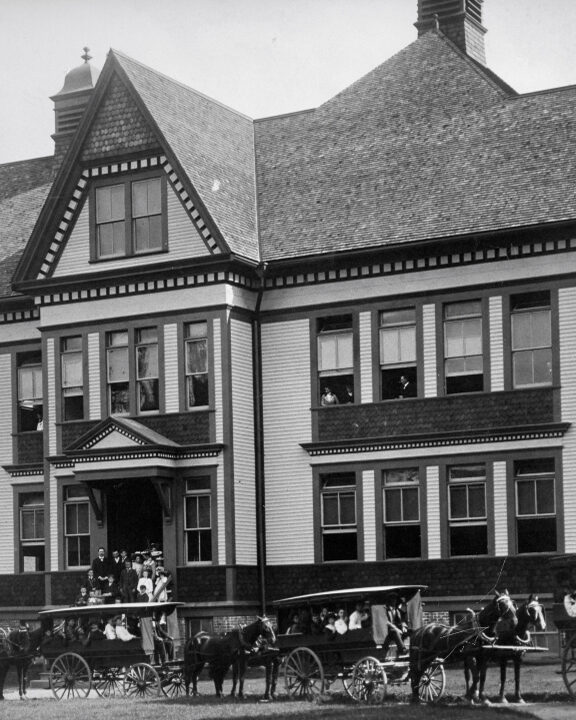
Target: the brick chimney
(71, 101)
(459, 20)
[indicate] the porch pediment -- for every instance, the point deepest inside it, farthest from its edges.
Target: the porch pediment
(119, 433)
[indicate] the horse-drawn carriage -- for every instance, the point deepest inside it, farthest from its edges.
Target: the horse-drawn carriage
(140, 666)
(366, 658)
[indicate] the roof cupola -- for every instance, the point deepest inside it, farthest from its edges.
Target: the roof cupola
(459, 20)
(70, 102)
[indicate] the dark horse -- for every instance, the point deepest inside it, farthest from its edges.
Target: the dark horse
(530, 614)
(18, 648)
(237, 648)
(463, 641)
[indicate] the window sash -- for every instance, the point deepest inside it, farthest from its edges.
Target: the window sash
(535, 497)
(30, 383)
(72, 375)
(335, 352)
(32, 524)
(398, 345)
(339, 509)
(401, 505)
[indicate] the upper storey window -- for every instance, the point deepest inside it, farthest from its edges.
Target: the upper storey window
(335, 360)
(531, 339)
(463, 361)
(30, 398)
(196, 348)
(129, 218)
(398, 353)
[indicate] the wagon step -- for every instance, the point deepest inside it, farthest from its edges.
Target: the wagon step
(42, 682)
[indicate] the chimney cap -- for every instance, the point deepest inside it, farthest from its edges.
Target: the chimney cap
(80, 78)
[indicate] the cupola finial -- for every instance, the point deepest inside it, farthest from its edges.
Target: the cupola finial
(86, 56)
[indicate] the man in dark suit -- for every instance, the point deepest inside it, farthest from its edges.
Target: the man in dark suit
(408, 388)
(101, 568)
(128, 583)
(116, 565)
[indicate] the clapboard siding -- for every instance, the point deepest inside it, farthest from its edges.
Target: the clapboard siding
(500, 509)
(496, 345)
(369, 510)
(433, 512)
(366, 384)
(184, 241)
(7, 524)
(221, 509)
(243, 429)
(289, 496)
(567, 322)
(94, 375)
(429, 342)
(217, 344)
(171, 392)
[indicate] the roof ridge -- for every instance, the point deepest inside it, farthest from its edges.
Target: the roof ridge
(174, 81)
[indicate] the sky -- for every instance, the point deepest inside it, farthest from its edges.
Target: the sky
(260, 57)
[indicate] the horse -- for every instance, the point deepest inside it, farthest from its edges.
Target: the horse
(223, 651)
(18, 648)
(458, 642)
(530, 614)
(262, 639)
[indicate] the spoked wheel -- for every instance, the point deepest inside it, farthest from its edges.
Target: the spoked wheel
(141, 680)
(368, 681)
(432, 683)
(173, 681)
(569, 665)
(108, 682)
(303, 674)
(70, 677)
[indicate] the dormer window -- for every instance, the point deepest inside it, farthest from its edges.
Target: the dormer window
(129, 218)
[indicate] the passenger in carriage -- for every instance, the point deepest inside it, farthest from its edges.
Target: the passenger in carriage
(110, 629)
(341, 623)
(317, 627)
(397, 628)
(122, 633)
(94, 633)
(71, 630)
(294, 625)
(324, 616)
(330, 627)
(358, 617)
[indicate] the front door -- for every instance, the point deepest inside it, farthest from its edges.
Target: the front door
(134, 515)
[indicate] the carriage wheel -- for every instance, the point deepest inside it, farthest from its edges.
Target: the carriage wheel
(368, 681)
(109, 682)
(432, 683)
(70, 677)
(303, 674)
(569, 665)
(141, 680)
(173, 682)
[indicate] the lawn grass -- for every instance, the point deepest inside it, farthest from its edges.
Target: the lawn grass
(540, 683)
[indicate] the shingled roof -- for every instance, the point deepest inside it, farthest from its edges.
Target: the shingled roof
(24, 187)
(427, 145)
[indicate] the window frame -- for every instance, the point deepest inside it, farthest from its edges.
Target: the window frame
(340, 377)
(208, 372)
(29, 361)
(482, 315)
(357, 528)
(133, 399)
(468, 520)
(37, 542)
(409, 368)
(553, 476)
(207, 474)
(385, 488)
(64, 352)
(530, 310)
(127, 181)
(66, 536)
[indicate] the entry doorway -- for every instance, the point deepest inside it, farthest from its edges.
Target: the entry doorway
(134, 515)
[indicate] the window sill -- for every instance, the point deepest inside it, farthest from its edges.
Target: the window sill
(112, 258)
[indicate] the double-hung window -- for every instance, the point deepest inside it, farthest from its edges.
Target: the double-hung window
(72, 378)
(531, 339)
(129, 218)
(401, 495)
(535, 505)
(147, 369)
(76, 526)
(468, 521)
(118, 368)
(32, 531)
(335, 360)
(198, 520)
(338, 517)
(463, 361)
(196, 364)
(398, 353)
(30, 400)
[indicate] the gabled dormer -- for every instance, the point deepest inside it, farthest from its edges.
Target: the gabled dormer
(155, 175)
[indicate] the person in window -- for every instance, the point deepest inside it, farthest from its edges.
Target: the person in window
(39, 420)
(328, 397)
(358, 617)
(349, 395)
(407, 387)
(340, 624)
